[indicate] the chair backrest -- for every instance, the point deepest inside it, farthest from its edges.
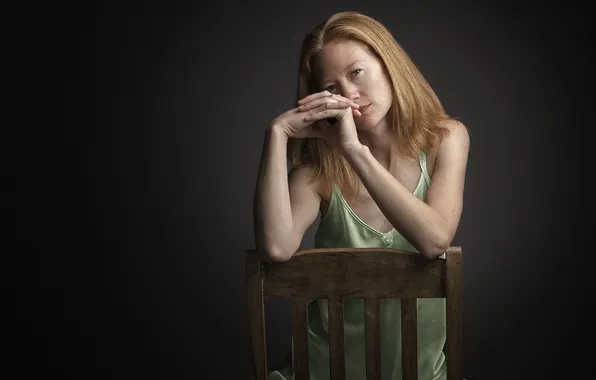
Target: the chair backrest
(372, 274)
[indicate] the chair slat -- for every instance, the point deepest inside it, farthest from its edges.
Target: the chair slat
(409, 336)
(454, 316)
(336, 346)
(373, 338)
(300, 338)
(256, 317)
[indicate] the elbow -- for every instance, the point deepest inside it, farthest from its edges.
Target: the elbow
(274, 255)
(277, 258)
(435, 247)
(431, 254)
(274, 250)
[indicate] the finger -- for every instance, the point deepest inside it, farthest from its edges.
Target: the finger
(355, 106)
(334, 105)
(316, 95)
(326, 113)
(315, 103)
(330, 110)
(327, 103)
(344, 103)
(341, 98)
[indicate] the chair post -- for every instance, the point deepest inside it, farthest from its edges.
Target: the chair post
(256, 317)
(454, 313)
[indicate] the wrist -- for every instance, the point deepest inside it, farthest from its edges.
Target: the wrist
(352, 150)
(277, 131)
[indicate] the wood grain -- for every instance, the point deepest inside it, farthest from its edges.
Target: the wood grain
(409, 336)
(336, 337)
(256, 317)
(372, 311)
(300, 338)
(355, 274)
(454, 314)
(339, 274)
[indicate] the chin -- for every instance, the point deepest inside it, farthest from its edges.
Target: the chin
(366, 123)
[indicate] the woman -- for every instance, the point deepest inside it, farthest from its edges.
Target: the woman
(375, 153)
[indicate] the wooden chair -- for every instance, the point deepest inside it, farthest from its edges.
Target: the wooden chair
(372, 274)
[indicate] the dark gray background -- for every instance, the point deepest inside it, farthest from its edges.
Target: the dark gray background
(139, 158)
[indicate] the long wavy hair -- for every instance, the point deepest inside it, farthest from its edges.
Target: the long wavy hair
(415, 114)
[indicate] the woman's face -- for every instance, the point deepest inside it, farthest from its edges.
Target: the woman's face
(346, 68)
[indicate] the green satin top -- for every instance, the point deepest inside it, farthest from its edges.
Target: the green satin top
(342, 228)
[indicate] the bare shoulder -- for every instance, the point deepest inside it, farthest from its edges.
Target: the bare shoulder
(458, 132)
(456, 142)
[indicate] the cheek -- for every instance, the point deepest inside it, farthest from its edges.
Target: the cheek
(383, 91)
(386, 86)
(388, 93)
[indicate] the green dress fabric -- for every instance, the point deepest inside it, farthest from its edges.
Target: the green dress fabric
(342, 228)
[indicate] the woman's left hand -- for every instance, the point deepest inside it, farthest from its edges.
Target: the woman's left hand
(336, 125)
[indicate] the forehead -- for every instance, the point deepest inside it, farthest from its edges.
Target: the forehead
(336, 55)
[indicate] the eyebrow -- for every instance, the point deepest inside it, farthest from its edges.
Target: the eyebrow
(346, 68)
(352, 64)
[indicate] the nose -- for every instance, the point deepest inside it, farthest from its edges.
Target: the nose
(350, 91)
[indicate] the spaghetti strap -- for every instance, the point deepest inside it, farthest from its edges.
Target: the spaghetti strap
(422, 162)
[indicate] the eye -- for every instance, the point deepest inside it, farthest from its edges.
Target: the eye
(330, 88)
(356, 72)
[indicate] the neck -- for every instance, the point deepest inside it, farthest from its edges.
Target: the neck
(381, 143)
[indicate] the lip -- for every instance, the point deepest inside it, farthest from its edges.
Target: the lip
(364, 108)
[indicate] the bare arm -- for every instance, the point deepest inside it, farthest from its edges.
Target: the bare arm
(429, 226)
(284, 207)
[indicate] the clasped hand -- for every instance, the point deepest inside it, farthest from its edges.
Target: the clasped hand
(322, 115)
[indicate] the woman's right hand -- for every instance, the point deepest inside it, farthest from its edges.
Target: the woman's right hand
(293, 122)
